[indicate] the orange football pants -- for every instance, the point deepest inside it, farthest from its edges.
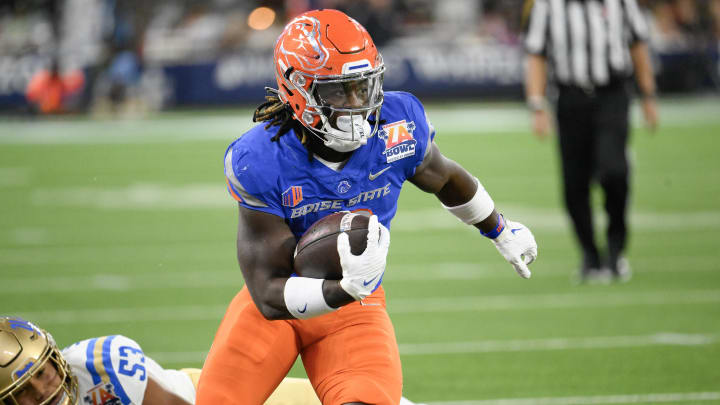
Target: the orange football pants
(350, 355)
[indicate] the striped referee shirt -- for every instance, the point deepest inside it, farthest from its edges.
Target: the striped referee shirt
(586, 42)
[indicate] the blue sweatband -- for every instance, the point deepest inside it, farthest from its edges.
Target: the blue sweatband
(497, 230)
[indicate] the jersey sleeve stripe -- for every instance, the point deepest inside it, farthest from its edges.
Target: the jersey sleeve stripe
(237, 187)
(431, 136)
(97, 361)
(107, 363)
(232, 191)
(636, 20)
(89, 361)
(247, 197)
(535, 42)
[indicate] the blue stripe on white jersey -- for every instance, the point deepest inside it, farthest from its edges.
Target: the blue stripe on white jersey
(90, 359)
(106, 371)
(110, 370)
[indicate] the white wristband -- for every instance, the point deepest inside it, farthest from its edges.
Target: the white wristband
(478, 208)
(304, 297)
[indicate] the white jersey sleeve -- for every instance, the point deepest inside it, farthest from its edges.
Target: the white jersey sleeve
(113, 370)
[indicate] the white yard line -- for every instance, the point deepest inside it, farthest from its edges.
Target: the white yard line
(523, 302)
(498, 346)
(555, 219)
(396, 307)
(148, 196)
(159, 129)
(530, 345)
(396, 273)
(595, 400)
(137, 196)
(489, 268)
(122, 282)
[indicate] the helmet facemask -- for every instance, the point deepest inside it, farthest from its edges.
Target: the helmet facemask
(343, 104)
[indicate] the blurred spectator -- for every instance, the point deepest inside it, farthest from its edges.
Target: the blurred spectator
(681, 31)
(379, 17)
(117, 77)
(117, 87)
(497, 21)
(687, 14)
(28, 26)
(195, 31)
(52, 92)
(666, 34)
(714, 11)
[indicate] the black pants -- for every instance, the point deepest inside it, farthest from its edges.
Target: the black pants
(593, 132)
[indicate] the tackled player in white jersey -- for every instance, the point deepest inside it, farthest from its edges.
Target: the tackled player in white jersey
(107, 370)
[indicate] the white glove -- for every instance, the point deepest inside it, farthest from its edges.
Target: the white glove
(517, 245)
(363, 274)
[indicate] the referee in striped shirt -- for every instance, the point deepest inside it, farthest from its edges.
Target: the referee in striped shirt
(591, 48)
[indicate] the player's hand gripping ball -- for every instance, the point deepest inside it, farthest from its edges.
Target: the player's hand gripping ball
(348, 247)
(316, 254)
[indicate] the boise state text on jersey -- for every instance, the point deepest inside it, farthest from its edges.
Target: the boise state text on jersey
(277, 178)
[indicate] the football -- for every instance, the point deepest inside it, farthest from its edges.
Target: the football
(316, 254)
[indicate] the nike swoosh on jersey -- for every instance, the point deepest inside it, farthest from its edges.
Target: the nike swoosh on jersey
(372, 176)
(367, 283)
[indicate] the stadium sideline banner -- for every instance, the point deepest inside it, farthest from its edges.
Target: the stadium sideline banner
(429, 71)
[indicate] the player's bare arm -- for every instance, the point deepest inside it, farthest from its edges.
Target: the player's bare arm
(450, 182)
(646, 83)
(265, 247)
(535, 84)
(466, 198)
(155, 394)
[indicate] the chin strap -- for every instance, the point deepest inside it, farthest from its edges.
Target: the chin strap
(349, 127)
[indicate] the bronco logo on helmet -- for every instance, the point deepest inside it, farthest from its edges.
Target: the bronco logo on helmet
(302, 42)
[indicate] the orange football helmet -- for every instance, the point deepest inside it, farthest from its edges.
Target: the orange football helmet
(330, 73)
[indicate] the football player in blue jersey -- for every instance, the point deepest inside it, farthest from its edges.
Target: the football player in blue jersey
(331, 140)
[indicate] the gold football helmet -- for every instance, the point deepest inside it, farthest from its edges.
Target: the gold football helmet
(25, 350)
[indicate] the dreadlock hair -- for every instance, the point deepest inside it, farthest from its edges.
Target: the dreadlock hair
(275, 112)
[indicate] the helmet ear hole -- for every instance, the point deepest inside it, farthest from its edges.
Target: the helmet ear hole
(298, 79)
(308, 118)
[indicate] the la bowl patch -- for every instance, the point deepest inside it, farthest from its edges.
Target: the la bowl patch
(399, 141)
(102, 394)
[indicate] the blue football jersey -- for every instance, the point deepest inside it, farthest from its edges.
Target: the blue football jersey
(278, 178)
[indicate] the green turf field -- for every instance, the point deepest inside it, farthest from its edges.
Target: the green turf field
(124, 227)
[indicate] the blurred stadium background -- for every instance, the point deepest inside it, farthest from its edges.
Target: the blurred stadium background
(114, 218)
